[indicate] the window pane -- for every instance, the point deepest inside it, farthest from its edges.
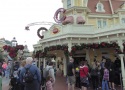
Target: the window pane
(99, 7)
(123, 20)
(104, 24)
(68, 3)
(99, 24)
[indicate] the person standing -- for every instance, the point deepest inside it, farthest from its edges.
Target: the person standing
(105, 78)
(77, 74)
(4, 66)
(49, 85)
(51, 72)
(117, 69)
(36, 80)
(94, 75)
(7, 72)
(111, 76)
(84, 71)
(71, 74)
(23, 63)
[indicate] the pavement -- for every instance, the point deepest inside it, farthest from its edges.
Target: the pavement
(5, 83)
(60, 84)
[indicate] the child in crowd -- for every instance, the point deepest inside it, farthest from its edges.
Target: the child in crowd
(105, 78)
(49, 84)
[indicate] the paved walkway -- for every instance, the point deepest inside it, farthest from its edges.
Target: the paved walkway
(61, 84)
(5, 83)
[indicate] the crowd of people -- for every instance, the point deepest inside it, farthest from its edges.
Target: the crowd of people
(27, 76)
(104, 74)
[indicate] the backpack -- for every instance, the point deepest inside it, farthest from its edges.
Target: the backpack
(46, 72)
(28, 76)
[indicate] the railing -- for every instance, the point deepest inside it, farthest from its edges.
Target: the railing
(83, 30)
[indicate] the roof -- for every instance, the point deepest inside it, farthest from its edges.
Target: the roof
(8, 42)
(115, 4)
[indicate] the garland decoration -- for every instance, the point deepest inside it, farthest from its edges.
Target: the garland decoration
(38, 32)
(59, 11)
(80, 47)
(13, 50)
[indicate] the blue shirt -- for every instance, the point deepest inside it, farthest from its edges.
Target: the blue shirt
(34, 70)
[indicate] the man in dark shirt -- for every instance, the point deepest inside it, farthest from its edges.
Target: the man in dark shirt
(71, 74)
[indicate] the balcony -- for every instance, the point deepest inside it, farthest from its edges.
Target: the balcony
(83, 31)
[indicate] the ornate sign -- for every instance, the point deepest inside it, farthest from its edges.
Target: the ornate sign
(56, 16)
(38, 32)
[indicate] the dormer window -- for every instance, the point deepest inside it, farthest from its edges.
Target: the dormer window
(100, 7)
(68, 3)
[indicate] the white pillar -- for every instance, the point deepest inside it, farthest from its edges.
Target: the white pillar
(39, 62)
(64, 66)
(44, 63)
(56, 62)
(72, 2)
(123, 70)
(87, 56)
(122, 62)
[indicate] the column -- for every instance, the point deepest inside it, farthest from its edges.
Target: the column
(123, 70)
(69, 47)
(64, 67)
(56, 62)
(122, 63)
(120, 17)
(87, 56)
(72, 2)
(44, 63)
(39, 62)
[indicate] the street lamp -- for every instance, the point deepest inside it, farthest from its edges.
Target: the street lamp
(14, 43)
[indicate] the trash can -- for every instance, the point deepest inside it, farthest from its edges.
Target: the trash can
(0, 83)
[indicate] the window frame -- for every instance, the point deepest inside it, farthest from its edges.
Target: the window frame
(123, 20)
(68, 3)
(100, 7)
(101, 23)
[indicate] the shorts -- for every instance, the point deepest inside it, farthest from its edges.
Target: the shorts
(71, 80)
(84, 84)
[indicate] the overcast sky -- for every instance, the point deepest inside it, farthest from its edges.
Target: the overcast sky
(16, 14)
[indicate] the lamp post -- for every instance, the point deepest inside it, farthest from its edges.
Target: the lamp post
(14, 43)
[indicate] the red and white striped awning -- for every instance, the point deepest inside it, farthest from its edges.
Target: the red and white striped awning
(80, 20)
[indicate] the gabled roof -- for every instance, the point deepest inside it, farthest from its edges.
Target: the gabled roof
(116, 4)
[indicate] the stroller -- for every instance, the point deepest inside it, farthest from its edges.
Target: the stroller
(14, 84)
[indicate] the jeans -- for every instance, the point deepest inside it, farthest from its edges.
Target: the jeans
(105, 85)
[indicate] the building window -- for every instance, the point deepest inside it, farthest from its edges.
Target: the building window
(100, 7)
(102, 23)
(68, 3)
(99, 24)
(123, 20)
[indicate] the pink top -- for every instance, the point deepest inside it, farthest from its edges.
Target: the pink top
(106, 74)
(4, 66)
(49, 85)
